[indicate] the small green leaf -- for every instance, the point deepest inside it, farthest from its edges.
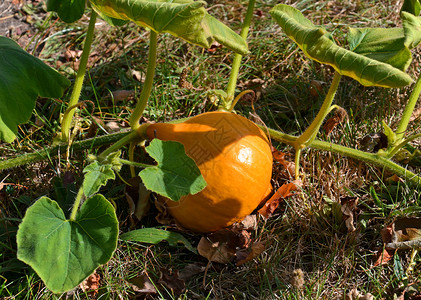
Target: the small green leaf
(317, 44)
(398, 268)
(186, 19)
(62, 252)
(23, 78)
(155, 236)
(68, 10)
(176, 174)
(97, 174)
(412, 7)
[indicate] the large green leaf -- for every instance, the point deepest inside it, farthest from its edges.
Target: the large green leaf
(412, 28)
(64, 252)
(23, 78)
(411, 6)
(381, 44)
(155, 236)
(317, 44)
(68, 10)
(388, 45)
(186, 19)
(176, 174)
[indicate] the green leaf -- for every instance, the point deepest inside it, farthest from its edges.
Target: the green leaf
(155, 236)
(412, 28)
(62, 252)
(186, 19)
(98, 173)
(411, 6)
(176, 174)
(68, 10)
(381, 44)
(398, 268)
(317, 44)
(23, 78)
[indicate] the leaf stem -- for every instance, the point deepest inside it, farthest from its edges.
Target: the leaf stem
(372, 158)
(236, 64)
(49, 152)
(309, 134)
(135, 164)
(131, 136)
(74, 98)
(147, 86)
(76, 204)
(409, 109)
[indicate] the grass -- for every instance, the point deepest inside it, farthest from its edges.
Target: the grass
(309, 254)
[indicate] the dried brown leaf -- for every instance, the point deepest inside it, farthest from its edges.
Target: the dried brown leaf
(141, 284)
(404, 233)
(349, 205)
(338, 118)
(283, 192)
(137, 196)
(191, 269)
(221, 246)
(122, 95)
(172, 281)
(383, 257)
(248, 223)
(254, 251)
(91, 284)
(279, 157)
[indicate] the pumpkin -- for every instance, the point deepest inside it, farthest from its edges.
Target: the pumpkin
(235, 159)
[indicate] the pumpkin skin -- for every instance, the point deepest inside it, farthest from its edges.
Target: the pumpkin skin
(235, 159)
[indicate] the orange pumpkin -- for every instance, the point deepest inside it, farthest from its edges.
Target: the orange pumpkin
(235, 159)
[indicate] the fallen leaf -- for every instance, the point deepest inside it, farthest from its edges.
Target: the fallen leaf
(316, 88)
(221, 246)
(163, 216)
(248, 223)
(394, 178)
(137, 197)
(338, 118)
(279, 157)
(373, 142)
(257, 85)
(191, 269)
(283, 192)
(348, 207)
(122, 95)
(142, 284)
(405, 234)
(91, 284)
(254, 251)
(172, 281)
(383, 257)
(215, 46)
(137, 75)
